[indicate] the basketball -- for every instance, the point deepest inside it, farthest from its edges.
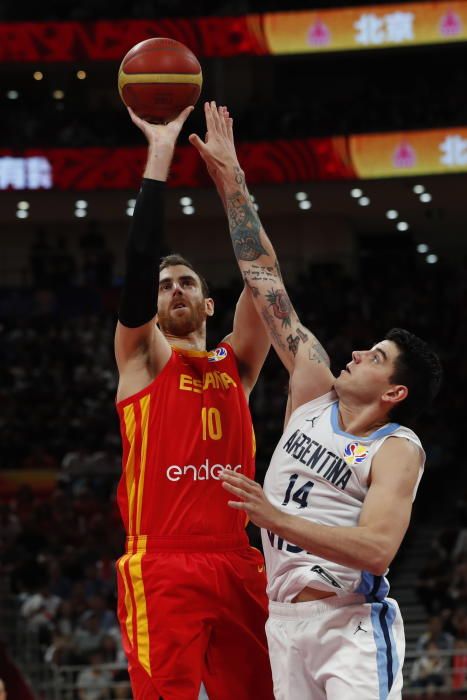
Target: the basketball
(158, 78)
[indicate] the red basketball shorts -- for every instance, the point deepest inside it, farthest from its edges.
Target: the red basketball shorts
(194, 610)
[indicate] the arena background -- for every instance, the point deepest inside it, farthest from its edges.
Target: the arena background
(351, 122)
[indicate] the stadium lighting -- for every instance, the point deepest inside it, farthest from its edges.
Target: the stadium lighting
(188, 209)
(12, 94)
(305, 204)
(80, 213)
(422, 248)
(402, 226)
(22, 214)
(431, 259)
(129, 211)
(392, 214)
(425, 197)
(186, 201)
(37, 75)
(81, 74)
(58, 94)
(131, 202)
(418, 189)
(23, 205)
(356, 192)
(301, 196)
(81, 204)
(364, 201)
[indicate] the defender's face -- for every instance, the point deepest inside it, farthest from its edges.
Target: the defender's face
(181, 307)
(368, 374)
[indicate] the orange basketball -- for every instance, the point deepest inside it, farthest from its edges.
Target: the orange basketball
(158, 78)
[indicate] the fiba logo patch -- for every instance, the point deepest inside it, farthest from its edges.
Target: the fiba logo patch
(354, 453)
(217, 355)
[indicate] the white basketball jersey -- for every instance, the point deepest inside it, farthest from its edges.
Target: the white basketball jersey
(320, 473)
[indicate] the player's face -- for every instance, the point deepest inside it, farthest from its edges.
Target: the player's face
(368, 375)
(181, 307)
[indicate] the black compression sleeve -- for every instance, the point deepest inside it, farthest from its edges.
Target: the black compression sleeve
(138, 303)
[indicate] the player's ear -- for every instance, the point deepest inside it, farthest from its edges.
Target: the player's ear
(209, 306)
(397, 393)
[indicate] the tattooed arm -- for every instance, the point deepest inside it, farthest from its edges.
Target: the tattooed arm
(300, 351)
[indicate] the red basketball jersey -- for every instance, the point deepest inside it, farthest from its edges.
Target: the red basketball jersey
(178, 434)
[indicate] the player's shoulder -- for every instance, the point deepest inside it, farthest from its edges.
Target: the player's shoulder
(314, 407)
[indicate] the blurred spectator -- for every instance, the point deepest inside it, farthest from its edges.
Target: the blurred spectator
(435, 635)
(94, 682)
(3, 693)
(429, 670)
(39, 611)
(87, 637)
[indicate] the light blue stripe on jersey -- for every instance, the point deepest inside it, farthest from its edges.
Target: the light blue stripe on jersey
(381, 432)
(373, 587)
(387, 661)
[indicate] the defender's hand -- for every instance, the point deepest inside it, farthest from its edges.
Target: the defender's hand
(252, 500)
(218, 148)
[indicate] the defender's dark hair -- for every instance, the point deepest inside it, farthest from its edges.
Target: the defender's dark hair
(176, 259)
(418, 368)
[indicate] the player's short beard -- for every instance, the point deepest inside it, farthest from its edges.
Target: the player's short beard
(183, 325)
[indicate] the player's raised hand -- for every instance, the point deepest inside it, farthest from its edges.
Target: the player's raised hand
(161, 134)
(218, 148)
(252, 500)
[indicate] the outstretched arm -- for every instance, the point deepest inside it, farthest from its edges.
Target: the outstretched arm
(140, 348)
(300, 351)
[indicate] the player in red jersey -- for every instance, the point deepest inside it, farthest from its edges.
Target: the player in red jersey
(192, 601)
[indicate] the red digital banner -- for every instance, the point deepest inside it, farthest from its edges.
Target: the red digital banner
(86, 169)
(110, 41)
(276, 33)
(363, 156)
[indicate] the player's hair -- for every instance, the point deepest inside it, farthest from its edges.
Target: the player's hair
(176, 259)
(418, 368)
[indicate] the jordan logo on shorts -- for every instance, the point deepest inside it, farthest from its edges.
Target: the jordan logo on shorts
(360, 628)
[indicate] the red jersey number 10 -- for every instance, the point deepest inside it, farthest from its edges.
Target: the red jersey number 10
(211, 422)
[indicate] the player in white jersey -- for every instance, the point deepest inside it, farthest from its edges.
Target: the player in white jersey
(338, 494)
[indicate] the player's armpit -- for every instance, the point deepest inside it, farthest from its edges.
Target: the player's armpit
(249, 340)
(141, 353)
(311, 376)
(387, 507)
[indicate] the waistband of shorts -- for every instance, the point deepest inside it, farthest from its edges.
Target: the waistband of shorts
(186, 543)
(313, 608)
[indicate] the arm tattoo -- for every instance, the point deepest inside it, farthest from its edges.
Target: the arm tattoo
(278, 270)
(269, 320)
(281, 306)
(303, 336)
(317, 353)
(245, 227)
(240, 178)
(260, 273)
(293, 342)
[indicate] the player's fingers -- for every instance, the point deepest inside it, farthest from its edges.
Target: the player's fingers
(236, 478)
(215, 117)
(230, 129)
(135, 119)
(209, 118)
(222, 124)
(234, 489)
(238, 505)
(183, 116)
(195, 141)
